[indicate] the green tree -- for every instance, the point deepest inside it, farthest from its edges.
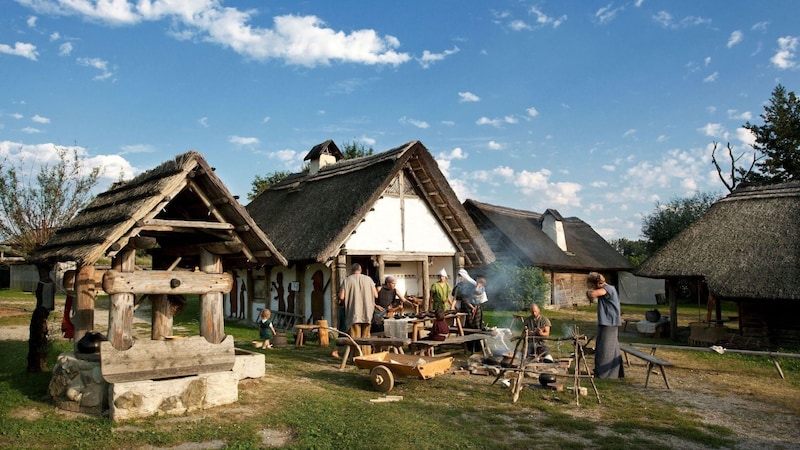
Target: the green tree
(635, 251)
(32, 208)
(671, 218)
(778, 139)
(517, 286)
(350, 150)
(353, 149)
(261, 184)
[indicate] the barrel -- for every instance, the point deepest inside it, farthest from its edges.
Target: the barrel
(279, 340)
(323, 332)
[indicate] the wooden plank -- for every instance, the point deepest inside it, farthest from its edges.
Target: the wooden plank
(200, 224)
(163, 282)
(153, 360)
(642, 355)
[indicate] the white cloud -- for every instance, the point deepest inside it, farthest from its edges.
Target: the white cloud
(456, 153)
(715, 130)
(543, 19)
(711, 78)
(20, 49)
(609, 168)
(735, 38)
(17, 116)
(510, 119)
(745, 136)
(736, 115)
(39, 119)
(532, 112)
(297, 40)
(265, 119)
(488, 121)
(243, 141)
(448, 123)
(31, 130)
(285, 155)
(55, 36)
(661, 138)
(784, 57)
(519, 25)
(629, 132)
(707, 61)
(666, 20)
(203, 121)
(98, 64)
(760, 26)
(494, 145)
(607, 13)
(415, 122)
(468, 97)
(137, 148)
(367, 140)
(31, 21)
(112, 167)
(429, 58)
(65, 49)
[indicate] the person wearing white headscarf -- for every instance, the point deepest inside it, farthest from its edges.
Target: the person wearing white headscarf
(442, 293)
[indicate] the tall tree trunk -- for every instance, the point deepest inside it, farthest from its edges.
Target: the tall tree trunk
(45, 302)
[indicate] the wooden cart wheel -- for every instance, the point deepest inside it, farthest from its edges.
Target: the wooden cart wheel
(382, 378)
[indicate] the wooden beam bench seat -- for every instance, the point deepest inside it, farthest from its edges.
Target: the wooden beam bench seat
(428, 345)
(651, 360)
(393, 344)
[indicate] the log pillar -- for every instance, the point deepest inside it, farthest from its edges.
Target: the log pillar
(162, 317)
(212, 313)
(337, 276)
(426, 285)
(672, 296)
(120, 309)
(84, 302)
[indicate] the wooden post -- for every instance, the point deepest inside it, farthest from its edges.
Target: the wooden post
(426, 285)
(338, 275)
(673, 309)
(212, 314)
(162, 317)
(381, 269)
(84, 302)
(120, 308)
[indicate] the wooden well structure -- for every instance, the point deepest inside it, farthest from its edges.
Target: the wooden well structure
(194, 229)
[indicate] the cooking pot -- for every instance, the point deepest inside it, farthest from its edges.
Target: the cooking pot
(90, 342)
(653, 315)
(546, 378)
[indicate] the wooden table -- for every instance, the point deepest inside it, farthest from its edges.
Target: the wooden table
(420, 324)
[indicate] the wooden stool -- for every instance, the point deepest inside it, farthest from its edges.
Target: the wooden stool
(300, 327)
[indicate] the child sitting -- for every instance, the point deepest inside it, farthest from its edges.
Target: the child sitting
(266, 330)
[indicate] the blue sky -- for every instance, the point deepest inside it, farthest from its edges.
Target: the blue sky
(596, 109)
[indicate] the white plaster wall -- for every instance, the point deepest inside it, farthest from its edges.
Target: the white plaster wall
(409, 281)
(554, 229)
(381, 230)
(309, 288)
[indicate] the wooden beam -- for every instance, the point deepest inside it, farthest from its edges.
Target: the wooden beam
(161, 282)
(120, 310)
(172, 223)
(84, 302)
(212, 312)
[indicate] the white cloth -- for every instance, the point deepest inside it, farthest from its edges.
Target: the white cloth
(396, 328)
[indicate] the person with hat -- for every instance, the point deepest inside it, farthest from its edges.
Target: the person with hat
(442, 293)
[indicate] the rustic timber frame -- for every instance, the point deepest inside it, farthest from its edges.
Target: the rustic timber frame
(184, 216)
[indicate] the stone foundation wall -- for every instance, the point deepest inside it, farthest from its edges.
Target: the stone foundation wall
(77, 384)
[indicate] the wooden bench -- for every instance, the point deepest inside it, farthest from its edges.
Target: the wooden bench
(299, 337)
(651, 360)
(428, 346)
(375, 343)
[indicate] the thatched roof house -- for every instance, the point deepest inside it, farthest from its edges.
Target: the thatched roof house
(745, 248)
(325, 207)
(565, 248)
(393, 212)
(181, 203)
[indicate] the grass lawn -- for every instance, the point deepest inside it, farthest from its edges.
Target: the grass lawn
(309, 403)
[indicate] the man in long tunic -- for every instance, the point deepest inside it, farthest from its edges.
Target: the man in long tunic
(358, 294)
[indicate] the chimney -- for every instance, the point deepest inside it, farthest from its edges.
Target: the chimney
(553, 227)
(322, 155)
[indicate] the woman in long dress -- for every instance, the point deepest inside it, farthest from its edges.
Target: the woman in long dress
(607, 356)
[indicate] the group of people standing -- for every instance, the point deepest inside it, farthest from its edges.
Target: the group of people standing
(360, 301)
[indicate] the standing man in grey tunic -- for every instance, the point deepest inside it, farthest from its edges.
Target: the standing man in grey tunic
(607, 356)
(358, 295)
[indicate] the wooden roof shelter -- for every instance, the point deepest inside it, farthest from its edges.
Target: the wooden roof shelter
(182, 214)
(745, 248)
(309, 216)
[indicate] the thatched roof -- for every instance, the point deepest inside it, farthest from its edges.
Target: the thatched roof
(163, 203)
(309, 217)
(516, 237)
(745, 246)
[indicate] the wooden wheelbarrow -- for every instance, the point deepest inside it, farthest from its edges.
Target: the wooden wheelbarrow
(384, 366)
